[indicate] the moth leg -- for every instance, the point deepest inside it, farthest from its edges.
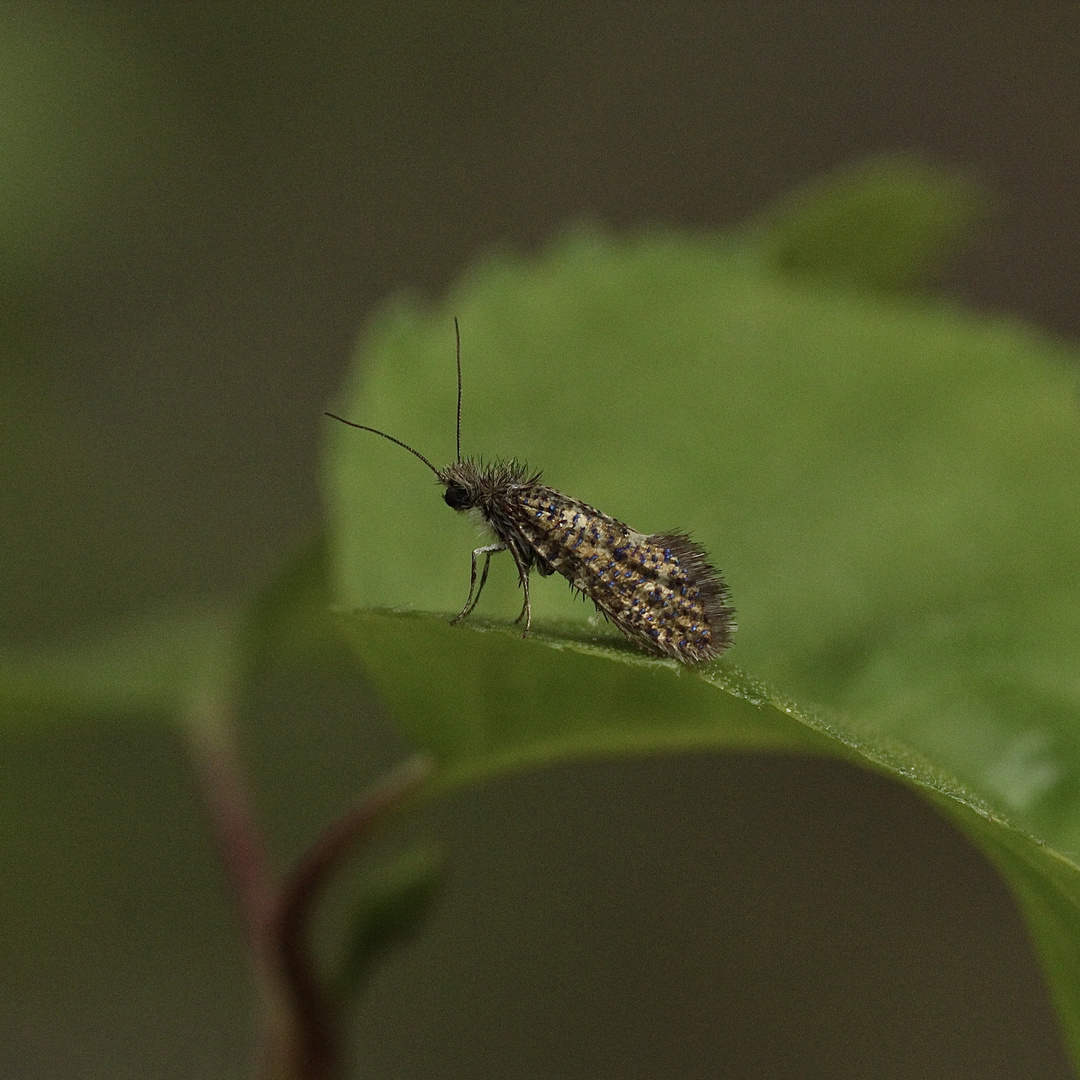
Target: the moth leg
(523, 577)
(487, 552)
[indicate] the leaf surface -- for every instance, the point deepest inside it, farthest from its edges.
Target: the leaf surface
(890, 486)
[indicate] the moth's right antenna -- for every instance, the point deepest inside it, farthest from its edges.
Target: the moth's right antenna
(457, 334)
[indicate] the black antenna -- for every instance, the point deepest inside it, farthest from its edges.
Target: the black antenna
(376, 431)
(457, 334)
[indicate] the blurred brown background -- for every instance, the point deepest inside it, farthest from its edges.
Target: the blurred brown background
(221, 196)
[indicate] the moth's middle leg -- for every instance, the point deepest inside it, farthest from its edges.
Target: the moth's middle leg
(523, 577)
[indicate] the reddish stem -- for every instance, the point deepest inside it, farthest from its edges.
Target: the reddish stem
(242, 846)
(318, 1051)
(301, 1037)
(238, 836)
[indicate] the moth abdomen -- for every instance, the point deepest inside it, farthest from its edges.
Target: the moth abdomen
(659, 590)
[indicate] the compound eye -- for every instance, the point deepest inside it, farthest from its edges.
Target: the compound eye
(457, 498)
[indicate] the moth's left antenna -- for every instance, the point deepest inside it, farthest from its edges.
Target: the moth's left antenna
(376, 431)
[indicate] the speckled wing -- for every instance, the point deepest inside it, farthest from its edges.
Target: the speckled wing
(660, 591)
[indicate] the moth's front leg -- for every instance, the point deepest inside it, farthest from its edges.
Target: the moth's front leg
(487, 552)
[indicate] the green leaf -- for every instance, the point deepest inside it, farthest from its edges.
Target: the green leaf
(290, 626)
(887, 225)
(487, 702)
(169, 667)
(395, 898)
(890, 486)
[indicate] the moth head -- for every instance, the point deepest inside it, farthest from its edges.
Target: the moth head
(457, 497)
(464, 485)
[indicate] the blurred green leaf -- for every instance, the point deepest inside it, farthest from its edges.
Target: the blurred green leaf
(290, 626)
(396, 896)
(886, 225)
(165, 667)
(891, 487)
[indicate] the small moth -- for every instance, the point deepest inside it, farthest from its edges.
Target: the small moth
(659, 590)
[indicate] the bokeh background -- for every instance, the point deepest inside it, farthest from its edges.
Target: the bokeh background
(200, 205)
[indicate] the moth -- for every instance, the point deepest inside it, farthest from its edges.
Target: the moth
(659, 590)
